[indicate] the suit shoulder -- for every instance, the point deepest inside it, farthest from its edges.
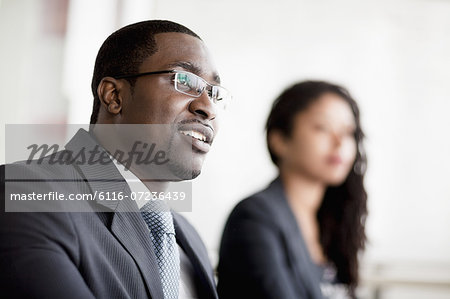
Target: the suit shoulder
(55, 166)
(258, 205)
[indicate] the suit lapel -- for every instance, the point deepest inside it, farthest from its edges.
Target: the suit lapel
(127, 225)
(304, 268)
(131, 230)
(192, 245)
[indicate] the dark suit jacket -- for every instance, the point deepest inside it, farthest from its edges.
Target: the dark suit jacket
(105, 252)
(263, 254)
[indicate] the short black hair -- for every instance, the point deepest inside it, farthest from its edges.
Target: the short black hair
(125, 50)
(297, 98)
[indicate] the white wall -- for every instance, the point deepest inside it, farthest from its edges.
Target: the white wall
(394, 56)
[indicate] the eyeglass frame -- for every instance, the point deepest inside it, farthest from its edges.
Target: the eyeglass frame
(175, 72)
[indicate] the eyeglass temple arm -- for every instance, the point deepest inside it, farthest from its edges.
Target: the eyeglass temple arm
(143, 74)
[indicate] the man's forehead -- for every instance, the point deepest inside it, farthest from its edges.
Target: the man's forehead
(183, 51)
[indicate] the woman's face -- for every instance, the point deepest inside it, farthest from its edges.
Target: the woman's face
(322, 145)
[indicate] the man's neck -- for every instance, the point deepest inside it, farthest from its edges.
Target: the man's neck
(153, 185)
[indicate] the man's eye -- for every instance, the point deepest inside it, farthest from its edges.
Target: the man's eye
(183, 79)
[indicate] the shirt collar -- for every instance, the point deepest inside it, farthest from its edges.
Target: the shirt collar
(136, 186)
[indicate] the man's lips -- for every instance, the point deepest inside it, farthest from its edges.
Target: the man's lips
(200, 135)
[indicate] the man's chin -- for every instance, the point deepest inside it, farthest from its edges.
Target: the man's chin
(195, 173)
(185, 164)
(183, 173)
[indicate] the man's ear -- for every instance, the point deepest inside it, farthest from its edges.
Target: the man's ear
(109, 93)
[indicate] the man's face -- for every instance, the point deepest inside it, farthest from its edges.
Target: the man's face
(154, 100)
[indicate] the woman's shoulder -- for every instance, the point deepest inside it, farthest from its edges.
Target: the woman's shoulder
(264, 203)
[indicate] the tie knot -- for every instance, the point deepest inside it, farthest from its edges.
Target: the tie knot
(158, 217)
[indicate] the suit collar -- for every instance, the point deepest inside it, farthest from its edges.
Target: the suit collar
(131, 231)
(192, 245)
(305, 268)
(101, 177)
(127, 225)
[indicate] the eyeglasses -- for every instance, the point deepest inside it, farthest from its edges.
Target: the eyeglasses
(192, 85)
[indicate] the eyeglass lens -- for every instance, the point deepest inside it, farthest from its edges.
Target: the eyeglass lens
(193, 85)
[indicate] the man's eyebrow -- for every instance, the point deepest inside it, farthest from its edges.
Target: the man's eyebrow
(186, 66)
(193, 69)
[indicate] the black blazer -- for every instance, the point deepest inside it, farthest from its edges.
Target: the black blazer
(104, 252)
(263, 254)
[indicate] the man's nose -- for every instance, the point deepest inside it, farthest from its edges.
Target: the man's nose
(204, 107)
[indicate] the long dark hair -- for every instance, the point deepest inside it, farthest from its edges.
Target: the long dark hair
(342, 214)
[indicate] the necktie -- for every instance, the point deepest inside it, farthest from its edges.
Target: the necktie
(162, 233)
